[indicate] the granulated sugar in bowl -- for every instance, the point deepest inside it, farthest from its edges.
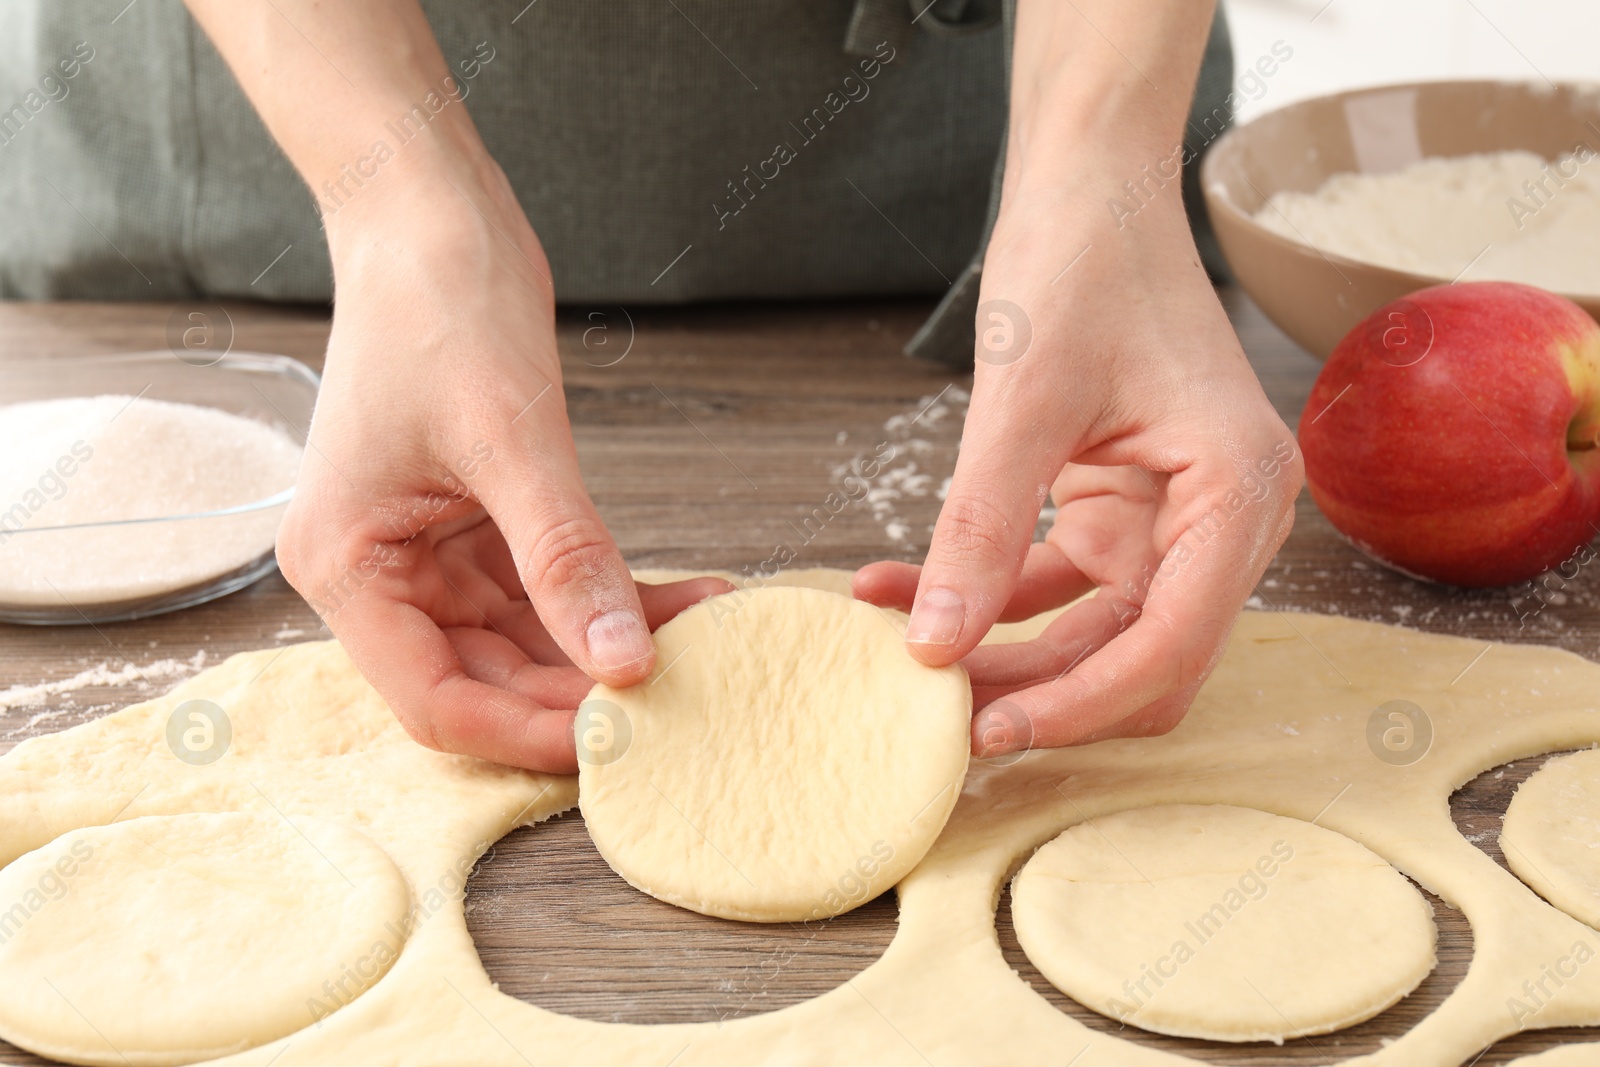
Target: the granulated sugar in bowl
(132, 485)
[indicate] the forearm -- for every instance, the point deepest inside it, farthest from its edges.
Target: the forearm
(360, 98)
(1099, 87)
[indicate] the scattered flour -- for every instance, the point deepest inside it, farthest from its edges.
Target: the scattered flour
(1505, 216)
(929, 433)
(99, 677)
(924, 442)
(104, 459)
(31, 727)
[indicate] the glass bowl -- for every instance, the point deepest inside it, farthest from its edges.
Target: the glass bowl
(165, 563)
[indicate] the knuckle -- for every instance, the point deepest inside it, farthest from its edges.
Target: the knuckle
(297, 546)
(291, 562)
(569, 553)
(422, 731)
(330, 571)
(1294, 474)
(1174, 657)
(1165, 639)
(1162, 721)
(415, 718)
(1291, 477)
(1281, 534)
(976, 527)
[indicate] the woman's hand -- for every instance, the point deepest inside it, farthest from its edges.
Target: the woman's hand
(1109, 379)
(441, 527)
(1134, 408)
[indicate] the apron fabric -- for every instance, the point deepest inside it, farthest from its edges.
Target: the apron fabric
(665, 151)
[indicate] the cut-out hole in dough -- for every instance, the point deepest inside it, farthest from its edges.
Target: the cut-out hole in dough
(1454, 951)
(556, 927)
(1569, 1046)
(1478, 808)
(172, 939)
(12, 1056)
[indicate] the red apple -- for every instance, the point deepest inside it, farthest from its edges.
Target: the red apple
(1453, 433)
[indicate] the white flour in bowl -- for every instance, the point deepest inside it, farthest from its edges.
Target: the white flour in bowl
(104, 459)
(1503, 216)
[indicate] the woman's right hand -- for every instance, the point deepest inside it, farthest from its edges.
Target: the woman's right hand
(441, 527)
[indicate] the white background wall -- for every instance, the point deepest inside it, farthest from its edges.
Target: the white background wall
(1349, 43)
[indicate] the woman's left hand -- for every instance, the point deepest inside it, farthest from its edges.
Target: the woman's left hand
(1117, 387)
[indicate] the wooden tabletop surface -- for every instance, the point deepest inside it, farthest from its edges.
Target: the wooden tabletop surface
(714, 434)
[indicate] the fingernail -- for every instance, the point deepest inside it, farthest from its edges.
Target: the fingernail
(937, 618)
(618, 640)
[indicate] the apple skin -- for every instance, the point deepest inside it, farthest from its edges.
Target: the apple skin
(1452, 434)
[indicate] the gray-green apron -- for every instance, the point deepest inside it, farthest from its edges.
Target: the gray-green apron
(664, 150)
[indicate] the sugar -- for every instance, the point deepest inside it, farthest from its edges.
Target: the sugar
(102, 459)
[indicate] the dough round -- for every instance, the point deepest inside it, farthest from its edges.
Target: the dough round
(787, 759)
(1223, 923)
(835, 580)
(1551, 835)
(171, 939)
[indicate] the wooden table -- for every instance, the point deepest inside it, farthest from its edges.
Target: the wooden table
(716, 434)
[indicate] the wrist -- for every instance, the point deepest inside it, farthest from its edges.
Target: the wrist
(440, 181)
(1087, 162)
(1104, 208)
(450, 219)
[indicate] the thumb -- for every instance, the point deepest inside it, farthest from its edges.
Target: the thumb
(565, 557)
(985, 527)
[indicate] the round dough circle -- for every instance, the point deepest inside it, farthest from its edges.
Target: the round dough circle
(1551, 834)
(787, 759)
(1224, 923)
(172, 939)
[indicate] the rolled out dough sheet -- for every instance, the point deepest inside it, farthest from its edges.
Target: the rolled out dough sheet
(1282, 727)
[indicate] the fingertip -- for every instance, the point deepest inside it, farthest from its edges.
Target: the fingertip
(564, 759)
(1002, 728)
(620, 651)
(937, 620)
(873, 574)
(862, 583)
(703, 586)
(662, 603)
(933, 655)
(886, 583)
